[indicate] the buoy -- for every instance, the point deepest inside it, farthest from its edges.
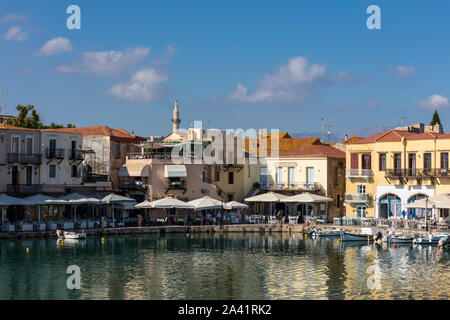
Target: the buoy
(28, 250)
(395, 245)
(62, 242)
(439, 246)
(339, 240)
(306, 235)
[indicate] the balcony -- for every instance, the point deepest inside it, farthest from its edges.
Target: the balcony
(24, 158)
(94, 178)
(357, 198)
(301, 186)
(51, 153)
(176, 184)
(75, 154)
(359, 173)
(133, 185)
(19, 189)
(417, 173)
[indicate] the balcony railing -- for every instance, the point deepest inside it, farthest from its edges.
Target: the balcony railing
(300, 186)
(417, 173)
(24, 158)
(357, 197)
(358, 173)
(75, 154)
(19, 189)
(51, 153)
(176, 184)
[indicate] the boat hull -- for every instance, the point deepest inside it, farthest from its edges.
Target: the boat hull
(402, 240)
(347, 236)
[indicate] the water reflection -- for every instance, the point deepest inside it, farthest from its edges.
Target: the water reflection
(221, 266)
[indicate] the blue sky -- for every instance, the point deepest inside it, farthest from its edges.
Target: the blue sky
(236, 64)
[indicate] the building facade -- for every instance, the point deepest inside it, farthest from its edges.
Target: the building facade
(391, 169)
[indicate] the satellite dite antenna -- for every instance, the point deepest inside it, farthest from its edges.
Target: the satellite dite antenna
(328, 131)
(5, 99)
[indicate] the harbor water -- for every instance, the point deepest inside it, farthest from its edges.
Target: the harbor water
(221, 266)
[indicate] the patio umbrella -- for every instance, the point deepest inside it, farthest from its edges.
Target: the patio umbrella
(40, 199)
(143, 205)
(169, 203)
(234, 205)
(113, 198)
(6, 201)
(307, 198)
(77, 199)
(205, 203)
(267, 197)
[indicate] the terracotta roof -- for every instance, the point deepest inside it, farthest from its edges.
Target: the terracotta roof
(387, 136)
(285, 143)
(119, 135)
(353, 139)
(314, 150)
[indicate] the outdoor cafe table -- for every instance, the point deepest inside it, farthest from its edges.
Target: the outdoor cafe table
(27, 227)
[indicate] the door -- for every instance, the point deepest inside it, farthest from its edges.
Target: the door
(279, 177)
(74, 149)
(29, 175)
(15, 149)
(354, 161)
(310, 176)
(14, 175)
(291, 176)
(52, 148)
(29, 146)
(412, 164)
(397, 164)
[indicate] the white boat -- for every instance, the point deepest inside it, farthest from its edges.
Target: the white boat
(348, 236)
(325, 233)
(70, 235)
(430, 240)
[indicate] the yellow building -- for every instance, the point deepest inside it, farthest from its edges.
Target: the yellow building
(393, 168)
(312, 168)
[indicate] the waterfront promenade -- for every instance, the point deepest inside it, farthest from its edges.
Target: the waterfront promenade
(240, 228)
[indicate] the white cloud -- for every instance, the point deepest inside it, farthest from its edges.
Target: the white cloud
(402, 71)
(287, 84)
(55, 46)
(11, 17)
(434, 102)
(144, 85)
(15, 33)
(106, 62)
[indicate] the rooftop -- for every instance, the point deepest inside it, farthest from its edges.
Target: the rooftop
(314, 150)
(119, 135)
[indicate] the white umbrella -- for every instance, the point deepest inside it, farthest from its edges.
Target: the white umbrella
(40, 199)
(76, 199)
(169, 203)
(266, 197)
(206, 203)
(143, 205)
(234, 205)
(6, 201)
(307, 198)
(113, 198)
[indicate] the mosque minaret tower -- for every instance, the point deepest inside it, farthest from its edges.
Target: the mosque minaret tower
(176, 118)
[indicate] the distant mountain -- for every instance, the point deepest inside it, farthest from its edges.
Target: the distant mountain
(337, 137)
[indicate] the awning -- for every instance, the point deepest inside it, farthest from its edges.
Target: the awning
(173, 171)
(134, 170)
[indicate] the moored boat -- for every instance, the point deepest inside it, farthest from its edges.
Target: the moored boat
(70, 235)
(430, 240)
(347, 236)
(324, 233)
(401, 239)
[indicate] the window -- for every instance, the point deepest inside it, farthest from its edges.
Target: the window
(382, 162)
(444, 160)
(361, 212)
(74, 172)
(230, 177)
(336, 176)
(397, 161)
(29, 146)
(117, 150)
(230, 197)
(263, 175)
(217, 175)
(29, 175)
(291, 176)
(338, 201)
(361, 188)
(427, 161)
(366, 163)
(52, 171)
(204, 176)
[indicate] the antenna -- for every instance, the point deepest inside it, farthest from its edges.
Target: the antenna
(5, 99)
(323, 131)
(328, 131)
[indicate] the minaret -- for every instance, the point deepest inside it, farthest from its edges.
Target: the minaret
(176, 118)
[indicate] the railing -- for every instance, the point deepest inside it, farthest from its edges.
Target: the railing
(93, 178)
(75, 154)
(51, 153)
(162, 156)
(282, 186)
(176, 184)
(357, 197)
(24, 158)
(417, 173)
(132, 185)
(358, 173)
(24, 188)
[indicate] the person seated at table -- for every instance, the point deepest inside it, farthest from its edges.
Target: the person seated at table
(208, 218)
(202, 219)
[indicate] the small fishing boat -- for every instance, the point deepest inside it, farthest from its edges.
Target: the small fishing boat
(347, 236)
(325, 233)
(401, 239)
(430, 240)
(70, 235)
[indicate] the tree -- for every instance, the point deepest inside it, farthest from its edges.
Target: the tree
(436, 119)
(33, 120)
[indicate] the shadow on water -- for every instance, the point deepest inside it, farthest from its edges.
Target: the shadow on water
(220, 266)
